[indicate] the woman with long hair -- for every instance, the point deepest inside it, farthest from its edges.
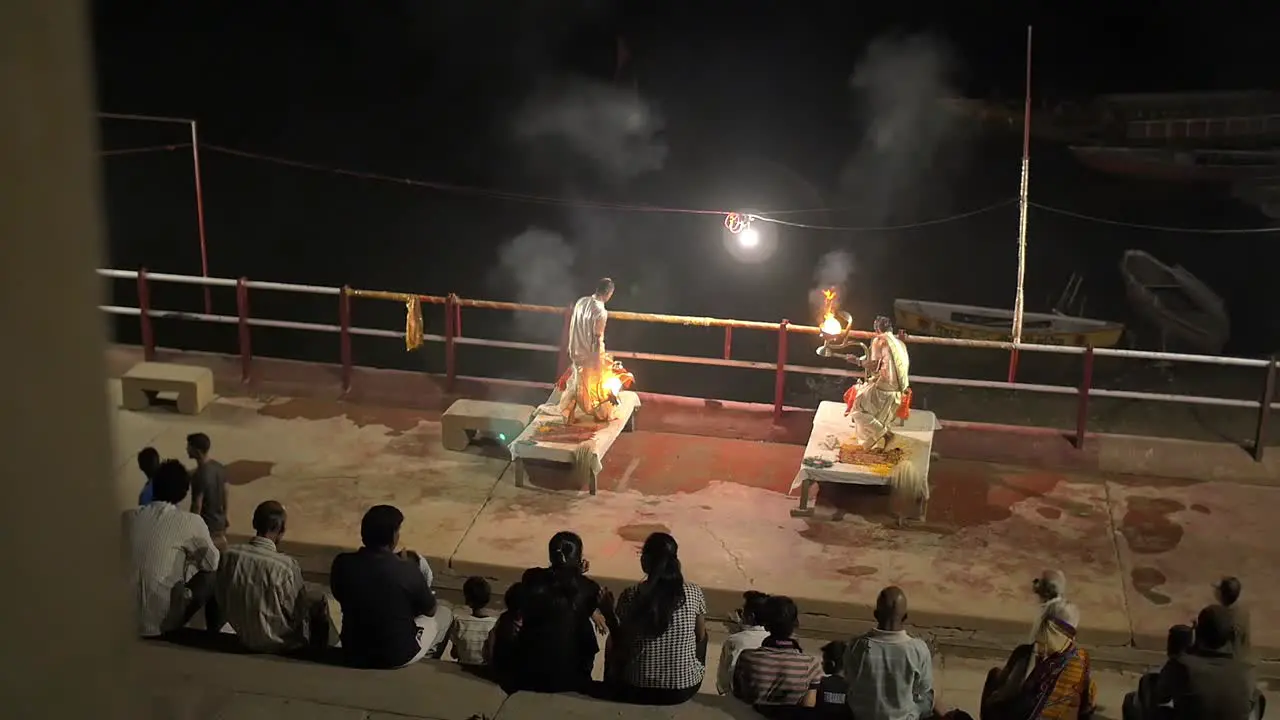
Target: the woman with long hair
(558, 643)
(658, 655)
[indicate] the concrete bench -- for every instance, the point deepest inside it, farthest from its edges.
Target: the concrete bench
(192, 385)
(465, 419)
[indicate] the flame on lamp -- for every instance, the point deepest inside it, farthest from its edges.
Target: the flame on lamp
(830, 325)
(613, 384)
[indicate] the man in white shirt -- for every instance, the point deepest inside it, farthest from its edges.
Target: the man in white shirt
(260, 589)
(585, 392)
(749, 635)
(171, 556)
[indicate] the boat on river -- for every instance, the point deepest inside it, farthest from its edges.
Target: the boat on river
(972, 322)
(1188, 314)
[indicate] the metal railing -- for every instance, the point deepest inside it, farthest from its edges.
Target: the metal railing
(453, 337)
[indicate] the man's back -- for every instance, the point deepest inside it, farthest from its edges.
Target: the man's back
(890, 676)
(380, 595)
(260, 590)
(167, 546)
(1208, 685)
(775, 675)
(209, 483)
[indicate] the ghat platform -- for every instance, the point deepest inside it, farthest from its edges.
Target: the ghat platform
(1139, 552)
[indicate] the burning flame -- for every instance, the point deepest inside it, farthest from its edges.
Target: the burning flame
(830, 325)
(613, 384)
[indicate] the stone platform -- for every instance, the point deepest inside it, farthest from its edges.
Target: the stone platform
(1139, 552)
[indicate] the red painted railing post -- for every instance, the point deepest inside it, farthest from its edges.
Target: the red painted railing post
(450, 331)
(728, 341)
(1013, 364)
(457, 318)
(563, 364)
(144, 316)
(344, 333)
(242, 310)
(1264, 412)
(1082, 402)
(780, 381)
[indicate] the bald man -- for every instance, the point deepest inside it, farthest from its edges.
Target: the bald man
(890, 673)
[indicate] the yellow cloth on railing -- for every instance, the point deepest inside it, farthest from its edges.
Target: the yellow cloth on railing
(412, 323)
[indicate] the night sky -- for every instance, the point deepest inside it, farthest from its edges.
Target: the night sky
(720, 105)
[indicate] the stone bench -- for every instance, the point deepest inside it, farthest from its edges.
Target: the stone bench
(192, 386)
(465, 419)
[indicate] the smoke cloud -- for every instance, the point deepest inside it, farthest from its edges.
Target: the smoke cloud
(897, 86)
(611, 132)
(834, 270)
(536, 267)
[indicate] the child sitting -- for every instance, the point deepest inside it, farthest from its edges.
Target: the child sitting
(469, 633)
(833, 688)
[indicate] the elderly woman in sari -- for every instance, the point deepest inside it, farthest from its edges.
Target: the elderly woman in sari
(1047, 680)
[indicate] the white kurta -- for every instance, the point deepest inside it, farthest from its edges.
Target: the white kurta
(586, 352)
(880, 395)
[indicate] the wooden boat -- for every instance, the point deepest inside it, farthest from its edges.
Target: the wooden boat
(923, 317)
(1188, 314)
(1191, 165)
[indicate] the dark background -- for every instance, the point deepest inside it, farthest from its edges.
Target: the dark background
(720, 105)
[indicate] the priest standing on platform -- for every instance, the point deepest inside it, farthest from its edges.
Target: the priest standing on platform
(585, 391)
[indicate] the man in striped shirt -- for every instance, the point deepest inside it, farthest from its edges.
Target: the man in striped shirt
(260, 589)
(171, 556)
(778, 673)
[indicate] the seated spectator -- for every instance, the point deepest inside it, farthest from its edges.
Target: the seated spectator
(1207, 681)
(1179, 640)
(500, 647)
(209, 488)
(890, 673)
(390, 617)
(558, 645)
(750, 634)
(469, 633)
(778, 673)
(148, 462)
(261, 592)
(1050, 588)
(172, 558)
(1227, 593)
(1048, 681)
(832, 702)
(659, 651)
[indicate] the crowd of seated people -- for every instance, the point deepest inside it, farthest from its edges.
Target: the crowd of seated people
(556, 620)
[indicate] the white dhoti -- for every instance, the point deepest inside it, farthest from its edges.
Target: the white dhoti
(585, 394)
(873, 413)
(878, 398)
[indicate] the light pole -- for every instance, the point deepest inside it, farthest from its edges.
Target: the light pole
(195, 162)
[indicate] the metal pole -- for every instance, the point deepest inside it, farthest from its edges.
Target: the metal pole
(1264, 412)
(728, 342)
(450, 331)
(242, 310)
(344, 347)
(1082, 403)
(1022, 219)
(780, 383)
(204, 250)
(144, 317)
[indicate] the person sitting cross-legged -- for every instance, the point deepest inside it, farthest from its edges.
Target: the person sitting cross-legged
(1205, 681)
(890, 673)
(171, 556)
(261, 591)
(778, 674)
(833, 690)
(469, 633)
(749, 634)
(390, 617)
(1050, 680)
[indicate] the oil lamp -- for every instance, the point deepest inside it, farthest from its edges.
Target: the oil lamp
(834, 329)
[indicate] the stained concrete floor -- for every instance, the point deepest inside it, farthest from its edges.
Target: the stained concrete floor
(1139, 553)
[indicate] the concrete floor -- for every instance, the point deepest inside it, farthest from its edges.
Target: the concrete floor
(200, 685)
(1139, 553)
